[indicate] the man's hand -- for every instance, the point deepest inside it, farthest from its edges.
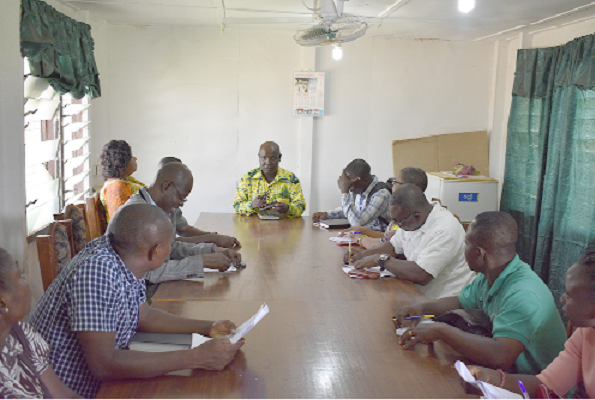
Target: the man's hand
(215, 354)
(259, 201)
(345, 183)
(355, 256)
(217, 260)
(422, 333)
(367, 262)
(316, 217)
(281, 207)
(409, 311)
(232, 255)
(225, 241)
(222, 328)
(481, 374)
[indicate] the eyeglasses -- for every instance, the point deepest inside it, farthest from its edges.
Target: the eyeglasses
(182, 199)
(400, 221)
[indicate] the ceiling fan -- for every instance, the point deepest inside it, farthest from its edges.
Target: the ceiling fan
(329, 25)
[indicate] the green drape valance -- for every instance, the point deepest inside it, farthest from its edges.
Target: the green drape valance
(60, 49)
(541, 70)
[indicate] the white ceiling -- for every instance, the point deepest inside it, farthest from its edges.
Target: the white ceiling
(424, 19)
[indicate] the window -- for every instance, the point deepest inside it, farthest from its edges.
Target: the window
(56, 150)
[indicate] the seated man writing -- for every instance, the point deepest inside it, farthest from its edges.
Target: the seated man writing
(269, 187)
(431, 240)
(364, 200)
(527, 330)
(369, 238)
(169, 191)
(576, 363)
(97, 302)
(190, 234)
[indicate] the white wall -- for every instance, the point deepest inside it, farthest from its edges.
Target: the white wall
(212, 99)
(12, 153)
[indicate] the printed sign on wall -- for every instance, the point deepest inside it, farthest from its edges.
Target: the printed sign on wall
(308, 94)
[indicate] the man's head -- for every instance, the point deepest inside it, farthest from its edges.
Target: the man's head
(359, 171)
(167, 160)
(142, 234)
(490, 241)
(414, 175)
(579, 297)
(174, 183)
(269, 157)
(409, 207)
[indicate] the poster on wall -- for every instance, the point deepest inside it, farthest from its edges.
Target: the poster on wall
(308, 94)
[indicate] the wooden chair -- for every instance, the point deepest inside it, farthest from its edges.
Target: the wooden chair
(79, 234)
(96, 217)
(54, 251)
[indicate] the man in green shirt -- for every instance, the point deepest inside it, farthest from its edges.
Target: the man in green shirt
(527, 330)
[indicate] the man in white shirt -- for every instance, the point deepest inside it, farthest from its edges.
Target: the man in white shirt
(432, 242)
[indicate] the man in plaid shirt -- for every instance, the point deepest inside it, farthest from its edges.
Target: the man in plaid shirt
(364, 200)
(269, 185)
(97, 302)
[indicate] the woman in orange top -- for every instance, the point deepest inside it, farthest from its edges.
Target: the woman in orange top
(117, 165)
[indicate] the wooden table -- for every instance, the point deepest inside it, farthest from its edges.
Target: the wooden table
(326, 336)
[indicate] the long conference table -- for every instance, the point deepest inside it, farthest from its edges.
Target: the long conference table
(326, 335)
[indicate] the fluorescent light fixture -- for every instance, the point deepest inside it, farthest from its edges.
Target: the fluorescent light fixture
(466, 5)
(337, 52)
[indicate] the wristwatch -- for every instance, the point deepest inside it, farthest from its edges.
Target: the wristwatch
(381, 260)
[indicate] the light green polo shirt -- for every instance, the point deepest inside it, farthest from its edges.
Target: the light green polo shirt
(520, 307)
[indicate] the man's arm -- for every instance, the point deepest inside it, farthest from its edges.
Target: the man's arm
(378, 204)
(385, 248)
(189, 230)
(498, 353)
(408, 270)
(107, 362)
(297, 203)
(242, 202)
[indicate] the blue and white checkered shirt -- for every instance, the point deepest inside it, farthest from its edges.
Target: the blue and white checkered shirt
(94, 292)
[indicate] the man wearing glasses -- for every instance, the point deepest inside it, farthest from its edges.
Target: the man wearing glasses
(170, 190)
(428, 249)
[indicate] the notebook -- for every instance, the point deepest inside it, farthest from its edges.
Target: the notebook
(269, 214)
(341, 223)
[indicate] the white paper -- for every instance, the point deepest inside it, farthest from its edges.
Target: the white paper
(343, 239)
(489, 391)
(383, 274)
(251, 323)
(231, 268)
(198, 339)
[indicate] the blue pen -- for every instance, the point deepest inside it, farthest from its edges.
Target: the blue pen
(525, 394)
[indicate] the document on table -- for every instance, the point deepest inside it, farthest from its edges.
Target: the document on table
(198, 339)
(383, 274)
(342, 239)
(489, 391)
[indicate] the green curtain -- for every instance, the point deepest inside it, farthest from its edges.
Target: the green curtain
(60, 49)
(549, 182)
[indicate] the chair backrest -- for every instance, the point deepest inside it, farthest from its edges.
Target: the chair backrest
(54, 251)
(79, 227)
(96, 217)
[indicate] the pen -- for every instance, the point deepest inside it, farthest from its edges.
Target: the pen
(525, 394)
(419, 317)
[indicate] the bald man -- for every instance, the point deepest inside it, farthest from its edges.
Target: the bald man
(169, 190)
(97, 302)
(364, 200)
(431, 241)
(191, 234)
(269, 186)
(527, 330)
